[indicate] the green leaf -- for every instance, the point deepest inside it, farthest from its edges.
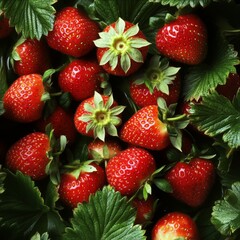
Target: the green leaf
(37, 236)
(3, 77)
(204, 78)
(32, 18)
(226, 212)
(217, 115)
(107, 216)
(163, 185)
(24, 208)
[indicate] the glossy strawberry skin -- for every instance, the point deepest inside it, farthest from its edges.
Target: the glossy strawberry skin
(81, 78)
(34, 57)
(22, 101)
(175, 225)
(183, 40)
(73, 191)
(142, 96)
(57, 118)
(73, 32)
(29, 155)
(129, 169)
(144, 129)
(196, 177)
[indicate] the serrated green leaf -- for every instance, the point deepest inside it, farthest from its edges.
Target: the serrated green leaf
(31, 18)
(226, 212)
(107, 216)
(217, 115)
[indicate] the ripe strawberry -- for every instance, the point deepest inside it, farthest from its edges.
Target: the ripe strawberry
(29, 155)
(73, 32)
(175, 225)
(22, 102)
(145, 129)
(157, 80)
(30, 56)
(121, 48)
(129, 170)
(76, 186)
(191, 182)
(97, 116)
(183, 39)
(57, 118)
(80, 78)
(5, 29)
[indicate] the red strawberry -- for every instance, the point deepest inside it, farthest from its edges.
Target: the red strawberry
(22, 101)
(191, 182)
(30, 56)
(145, 129)
(129, 170)
(183, 39)
(73, 32)
(29, 155)
(76, 187)
(158, 80)
(57, 118)
(122, 48)
(5, 29)
(175, 225)
(98, 116)
(80, 78)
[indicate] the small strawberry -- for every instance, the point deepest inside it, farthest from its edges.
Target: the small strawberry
(98, 116)
(183, 39)
(81, 78)
(129, 170)
(30, 56)
(121, 48)
(145, 129)
(24, 99)
(29, 155)
(175, 225)
(73, 32)
(76, 186)
(191, 182)
(5, 29)
(157, 80)
(62, 123)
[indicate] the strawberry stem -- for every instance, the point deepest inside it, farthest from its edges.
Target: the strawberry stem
(177, 118)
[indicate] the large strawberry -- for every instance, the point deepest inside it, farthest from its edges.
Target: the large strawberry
(183, 39)
(97, 116)
(76, 186)
(30, 56)
(196, 177)
(157, 80)
(81, 78)
(129, 170)
(29, 155)
(175, 225)
(122, 48)
(146, 130)
(73, 32)
(24, 99)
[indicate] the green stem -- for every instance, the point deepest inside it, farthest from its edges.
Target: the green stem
(177, 118)
(230, 153)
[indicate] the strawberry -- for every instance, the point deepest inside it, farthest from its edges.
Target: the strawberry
(80, 78)
(121, 48)
(76, 186)
(29, 155)
(30, 56)
(129, 170)
(5, 29)
(23, 100)
(57, 118)
(73, 32)
(157, 80)
(97, 116)
(196, 177)
(175, 225)
(183, 40)
(145, 129)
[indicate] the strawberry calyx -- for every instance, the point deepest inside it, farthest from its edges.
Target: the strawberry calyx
(102, 118)
(122, 45)
(158, 75)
